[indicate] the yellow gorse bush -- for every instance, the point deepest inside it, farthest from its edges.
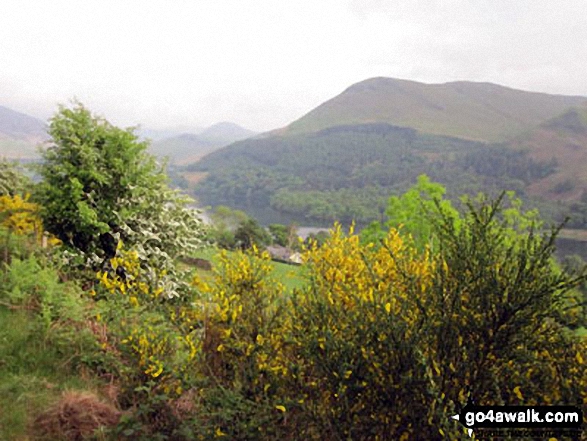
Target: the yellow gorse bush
(158, 336)
(348, 272)
(241, 312)
(19, 215)
(244, 345)
(355, 330)
(383, 342)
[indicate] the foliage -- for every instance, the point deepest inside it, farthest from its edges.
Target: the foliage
(151, 343)
(100, 185)
(59, 309)
(392, 342)
(503, 292)
(574, 264)
(46, 338)
(347, 173)
(413, 212)
(12, 181)
(361, 372)
(243, 350)
(319, 239)
(503, 163)
(281, 234)
(385, 340)
(19, 217)
(249, 233)
(225, 221)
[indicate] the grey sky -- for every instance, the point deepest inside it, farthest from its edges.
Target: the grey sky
(264, 63)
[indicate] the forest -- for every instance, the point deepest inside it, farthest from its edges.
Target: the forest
(107, 334)
(347, 173)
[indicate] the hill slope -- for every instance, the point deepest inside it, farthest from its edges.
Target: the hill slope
(347, 172)
(478, 111)
(19, 134)
(565, 139)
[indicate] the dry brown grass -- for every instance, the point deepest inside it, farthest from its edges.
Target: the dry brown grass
(76, 416)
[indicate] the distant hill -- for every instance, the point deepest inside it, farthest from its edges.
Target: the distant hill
(184, 147)
(159, 134)
(20, 134)
(226, 133)
(342, 160)
(188, 147)
(478, 111)
(21, 126)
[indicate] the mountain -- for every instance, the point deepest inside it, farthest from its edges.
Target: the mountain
(159, 134)
(184, 147)
(18, 125)
(20, 134)
(188, 147)
(342, 160)
(478, 111)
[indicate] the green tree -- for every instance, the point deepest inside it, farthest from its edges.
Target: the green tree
(250, 233)
(100, 186)
(280, 234)
(225, 221)
(412, 212)
(12, 181)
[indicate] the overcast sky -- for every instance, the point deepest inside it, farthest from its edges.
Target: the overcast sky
(264, 63)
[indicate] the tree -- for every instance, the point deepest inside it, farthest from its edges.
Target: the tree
(12, 181)
(250, 233)
(412, 212)
(225, 221)
(100, 186)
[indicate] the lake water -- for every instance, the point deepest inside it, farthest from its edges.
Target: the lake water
(567, 247)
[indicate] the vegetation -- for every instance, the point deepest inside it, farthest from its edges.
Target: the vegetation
(385, 338)
(347, 173)
(100, 189)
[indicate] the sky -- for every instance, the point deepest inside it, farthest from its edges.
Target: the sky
(264, 63)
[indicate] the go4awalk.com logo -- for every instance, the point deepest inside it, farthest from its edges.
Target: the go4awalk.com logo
(519, 417)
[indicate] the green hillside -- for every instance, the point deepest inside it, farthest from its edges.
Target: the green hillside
(347, 173)
(478, 111)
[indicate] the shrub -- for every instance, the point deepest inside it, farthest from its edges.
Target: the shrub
(244, 350)
(391, 342)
